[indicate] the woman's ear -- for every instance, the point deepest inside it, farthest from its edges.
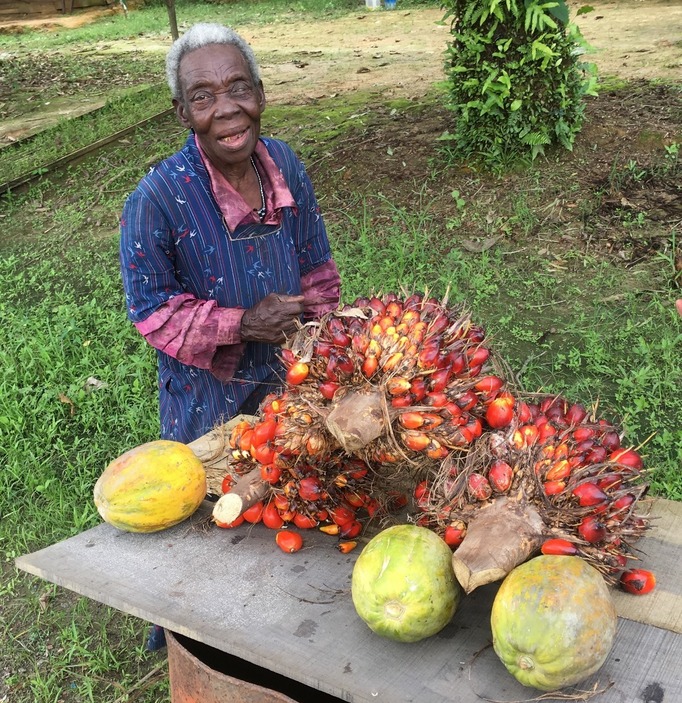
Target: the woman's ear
(181, 113)
(261, 96)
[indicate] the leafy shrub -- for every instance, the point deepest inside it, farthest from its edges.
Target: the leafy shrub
(516, 83)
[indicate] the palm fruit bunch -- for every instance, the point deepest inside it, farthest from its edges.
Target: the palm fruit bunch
(549, 473)
(382, 382)
(389, 380)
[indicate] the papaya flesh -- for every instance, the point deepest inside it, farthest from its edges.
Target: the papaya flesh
(151, 487)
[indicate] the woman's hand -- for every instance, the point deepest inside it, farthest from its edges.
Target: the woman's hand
(273, 319)
(678, 305)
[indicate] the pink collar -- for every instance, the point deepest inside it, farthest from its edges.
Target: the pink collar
(233, 207)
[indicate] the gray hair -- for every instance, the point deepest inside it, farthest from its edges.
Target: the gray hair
(203, 34)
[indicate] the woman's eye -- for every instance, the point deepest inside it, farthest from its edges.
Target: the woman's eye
(240, 88)
(200, 97)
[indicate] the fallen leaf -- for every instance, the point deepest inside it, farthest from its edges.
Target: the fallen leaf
(479, 247)
(67, 401)
(94, 384)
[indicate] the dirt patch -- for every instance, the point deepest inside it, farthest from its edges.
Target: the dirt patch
(398, 53)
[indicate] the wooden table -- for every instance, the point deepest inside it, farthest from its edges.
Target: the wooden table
(293, 614)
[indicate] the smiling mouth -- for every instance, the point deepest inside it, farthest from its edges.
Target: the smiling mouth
(234, 138)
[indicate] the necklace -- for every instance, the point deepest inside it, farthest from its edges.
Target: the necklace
(261, 212)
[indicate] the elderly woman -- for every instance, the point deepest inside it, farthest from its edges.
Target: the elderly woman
(223, 247)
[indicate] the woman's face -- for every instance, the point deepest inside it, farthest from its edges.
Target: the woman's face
(220, 103)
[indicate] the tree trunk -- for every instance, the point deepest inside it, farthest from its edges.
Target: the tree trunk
(170, 4)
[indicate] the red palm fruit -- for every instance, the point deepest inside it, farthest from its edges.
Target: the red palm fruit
(575, 414)
(431, 421)
(454, 534)
(288, 357)
(559, 470)
(245, 441)
(237, 431)
(354, 499)
(580, 434)
(553, 488)
(416, 441)
(323, 348)
(610, 441)
(372, 507)
(591, 529)
(637, 581)
(559, 547)
(589, 494)
(457, 362)
(340, 338)
(281, 501)
(467, 400)
(328, 389)
(411, 420)
(418, 388)
(427, 357)
(305, 522)
(500, 476)
(585, 446)
(417, 333)
(310, 488)
(489, 384)
(436, 450)
(227, 483)
(523, 413)
(391, 362)
(475, 427)
(453, 410)
(330, 529)
(403, 401)
(439, 380)
(359, 343)
(479, 486)
(345, 547)
(627, 457)
(350, 529)
(254, 514)
(344, 364)
(297, 373)
(596, 456)
(547, 430)
(625, 501)
(477, 356)
(264, 432)
(394, 309)
(289, 541)
(270, 473)
(500, 412)
(370, 366)
(271, 517)
(421, 492)
(436, 399)
(398, 385)
(342, 514)
(264, 453)
(610, 482)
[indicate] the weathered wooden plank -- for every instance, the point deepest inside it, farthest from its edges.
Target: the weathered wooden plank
(293, 614)
(660, 551)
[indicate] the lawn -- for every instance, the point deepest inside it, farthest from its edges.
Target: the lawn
(572, 265)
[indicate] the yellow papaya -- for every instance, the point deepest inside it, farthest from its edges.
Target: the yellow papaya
(151, 487)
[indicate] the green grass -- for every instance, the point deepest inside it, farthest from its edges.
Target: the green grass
(78, 384)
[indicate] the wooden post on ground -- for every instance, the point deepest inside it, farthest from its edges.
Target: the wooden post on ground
(170, 4)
